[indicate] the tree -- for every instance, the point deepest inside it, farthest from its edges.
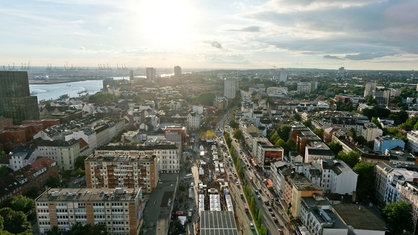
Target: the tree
(351, 158)
(319, 132)
(335, 147)
(238, 134)
(308, 123)
(398, 215)
(233, 124)
(53, 181)
(4, 171)
(19, 203)
(284, 132)
(79, 162)
(365, 180)
(14, 221)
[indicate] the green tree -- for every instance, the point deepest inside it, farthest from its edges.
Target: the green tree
(398, 215)
(14, 221)
(4, 171)
(79, 162)
(284, 132)
(351, 158)
(233, 124)
(365, 180)
(319, 132)
(238, 134)
(102, 98)
(53, 181)
(308, 123)
(335, 147)
(19, 203)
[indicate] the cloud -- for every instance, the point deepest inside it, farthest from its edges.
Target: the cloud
(215, 44)
(250, 29)
(333, 57)
(368, 56)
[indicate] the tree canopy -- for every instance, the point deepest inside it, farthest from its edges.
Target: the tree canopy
(398, 215)
(351, 158)
(365, 180)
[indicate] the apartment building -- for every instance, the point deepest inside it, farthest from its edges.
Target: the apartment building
(120, 210)
(110, 170)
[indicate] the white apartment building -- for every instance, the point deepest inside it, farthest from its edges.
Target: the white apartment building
(194, 121)
(19, 158)
(119, 210)
(370, 131)
(412, 140)
(337, 177)
(88, 135)
(63, 152)
(318, 217)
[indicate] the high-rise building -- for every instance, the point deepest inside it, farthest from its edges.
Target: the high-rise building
(15, 99)
(283, 75)
(230, 87)
(151, 74)
(177, 71)
(369, 89)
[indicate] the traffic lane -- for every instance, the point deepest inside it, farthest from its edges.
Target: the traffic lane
(244, 219)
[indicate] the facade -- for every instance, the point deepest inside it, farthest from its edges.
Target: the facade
(369, 89)
(304, 87)
(412, 140)
(337, 177)
(387, 142)
(194, 121)
(370, 131)
(277, 91)
(151, 74)
(177, 71)
(15, 99)
(230, 88)
(88, 135)
(175, 134)
(300, 187)
(119, 210)
(20, 157)
(317, 150)
(318, 217)
(33, 175)
(268, 154)
(112, 170)
(408, 192)
(283, 75)
(63, 152)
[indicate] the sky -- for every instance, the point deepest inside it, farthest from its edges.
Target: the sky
(245, 34)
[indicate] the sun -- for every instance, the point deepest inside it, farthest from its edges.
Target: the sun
(166, 23)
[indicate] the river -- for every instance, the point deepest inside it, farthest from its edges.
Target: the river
(72, 89)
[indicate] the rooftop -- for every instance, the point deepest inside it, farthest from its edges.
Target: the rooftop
(87, 194)
(360, 217)
(218, 223)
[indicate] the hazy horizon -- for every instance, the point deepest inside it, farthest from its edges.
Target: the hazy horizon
(198, 34)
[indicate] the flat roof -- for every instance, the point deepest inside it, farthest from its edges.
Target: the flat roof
(360, 217)
(87, 194)
(218, 223)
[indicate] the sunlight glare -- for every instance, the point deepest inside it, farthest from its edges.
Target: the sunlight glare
(166, 23)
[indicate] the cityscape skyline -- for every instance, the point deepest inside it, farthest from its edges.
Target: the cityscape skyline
(250, 34)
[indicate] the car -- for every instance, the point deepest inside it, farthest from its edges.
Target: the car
(259, 197)
(266, 203)
(252, 226)
(270, 209)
